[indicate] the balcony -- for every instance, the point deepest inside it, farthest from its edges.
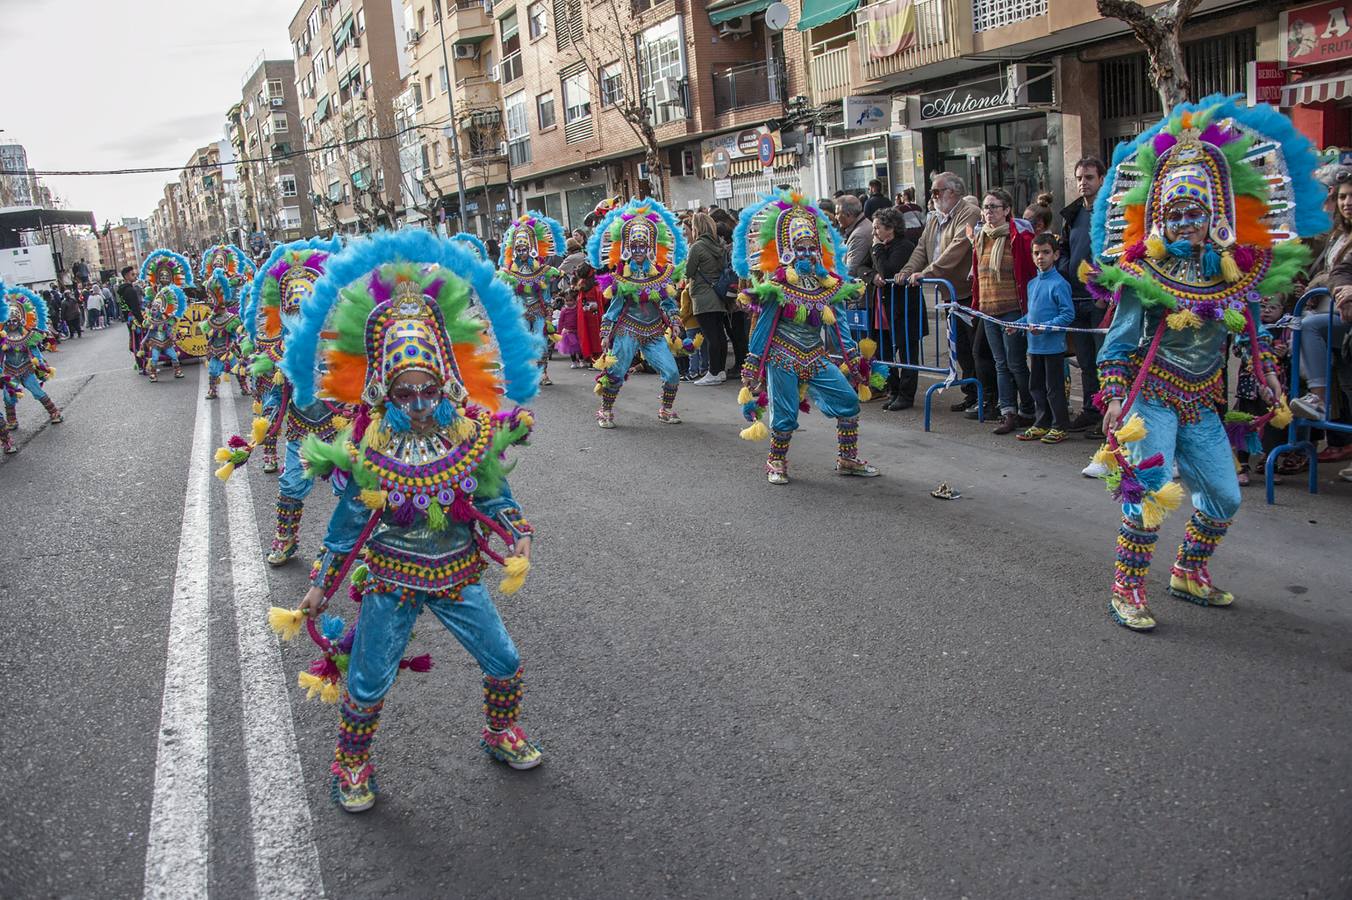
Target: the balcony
(754, 84)
(468, 21)
(476, 92)
(989, 14)
(942, 32)
(830, 66)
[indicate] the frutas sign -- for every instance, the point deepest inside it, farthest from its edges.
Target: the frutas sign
(1315, 33)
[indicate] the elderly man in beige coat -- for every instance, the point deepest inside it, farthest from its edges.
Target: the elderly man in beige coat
(945, 251)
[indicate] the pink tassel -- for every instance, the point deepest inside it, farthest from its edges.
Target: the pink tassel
(360, 423)
(236, 442)
(325, 668)
(1135, 252)
(763, 399)
(462, 510)
(1244, 257)
(354, 593)
(1151, 462)
(417, 663)
(804, 406)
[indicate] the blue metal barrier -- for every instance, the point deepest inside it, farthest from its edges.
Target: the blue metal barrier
(1293, 438)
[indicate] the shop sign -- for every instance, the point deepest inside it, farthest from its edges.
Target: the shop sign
(1265, 82)
(866, 113)
(738, 145)
(723, 189)
(978, 97)
(722, 163)
(1315, 33)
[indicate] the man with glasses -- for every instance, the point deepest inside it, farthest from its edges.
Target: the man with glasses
(944, 251)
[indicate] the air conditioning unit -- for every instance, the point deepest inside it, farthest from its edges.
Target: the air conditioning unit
(666, 91)
(502, 148)
(414, 36)
(737, 26)
(466, 51)
(492, 73)
(277, 101)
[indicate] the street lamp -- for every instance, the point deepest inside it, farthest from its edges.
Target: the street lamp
(450, 101)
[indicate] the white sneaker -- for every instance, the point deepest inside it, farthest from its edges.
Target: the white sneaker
(713, 378)
(1095, 469)
(1309, 407)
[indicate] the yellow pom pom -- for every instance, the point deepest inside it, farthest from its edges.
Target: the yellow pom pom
(311, 684)
(1281, 414)
(1152, 516)
(802, 391)
(340, 422)
(604, 361)
(330, 692)
(516, 569)
(373, 499)
(1169, 497)
(865, 395)
(1183, 318)
(464, 428)
(698, 340)
(868, 347)
(1086, 271)
(1229, 268)
(286, 622)
(744, 395)
(525, 418)
(596, 389)
(1154, 247)
(828, 315)
(257, 408)
(1133, 430)
(1106, 457)
(844, 369)
(756, 431)
(223, 455)
(260, 430)
(278, 377)
(225, 471)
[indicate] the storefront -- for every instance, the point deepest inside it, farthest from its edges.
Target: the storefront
(1315, 48)
(731, 173)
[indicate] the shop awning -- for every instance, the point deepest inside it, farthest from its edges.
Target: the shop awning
(722, 12)
(1318, 90)
(819, 12)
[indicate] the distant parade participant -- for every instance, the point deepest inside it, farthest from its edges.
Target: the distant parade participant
(226, 275)
(25, 328)
(527, 248)
(424, 481)
(161, 270)
(791, 253)
(281, 285)
(1199, 219)
(643, 248)
(161, 329)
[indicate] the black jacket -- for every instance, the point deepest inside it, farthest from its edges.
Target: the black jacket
(1069, 262)
(887, 260)
(129, 296)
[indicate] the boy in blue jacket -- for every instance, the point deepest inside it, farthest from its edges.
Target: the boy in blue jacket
(1049, 304)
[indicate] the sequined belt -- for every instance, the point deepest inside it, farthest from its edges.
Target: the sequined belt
(803, 363)
(642, 331)
(21, 371)
(297, 427)
(1184, 393)
(441, 576)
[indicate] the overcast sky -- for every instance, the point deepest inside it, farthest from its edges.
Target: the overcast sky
(113, 84)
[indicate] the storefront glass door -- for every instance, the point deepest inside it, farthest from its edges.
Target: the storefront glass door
(1009, 155)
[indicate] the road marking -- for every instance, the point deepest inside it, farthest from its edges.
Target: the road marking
(177, 843)
(286, 861)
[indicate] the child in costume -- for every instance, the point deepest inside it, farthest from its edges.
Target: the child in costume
(1198, 221)
(645, 252)
(165, 274)
(789, 250)
(424, 482)
(528, 245)
(226, 273)
(25, 328)
(287, 278)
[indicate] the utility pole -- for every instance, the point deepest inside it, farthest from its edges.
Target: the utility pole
(450, 101)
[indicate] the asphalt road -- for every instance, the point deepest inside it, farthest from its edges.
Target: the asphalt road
(841, 687)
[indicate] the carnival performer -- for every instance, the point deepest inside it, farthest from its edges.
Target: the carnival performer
(424, 482)
(165, 274)
(473, 242)
(25, 328)
(1200, 218)
(527, 248)
(226, 275)
(281, 285)
(790, 252)
(261, 352)
(644, 251)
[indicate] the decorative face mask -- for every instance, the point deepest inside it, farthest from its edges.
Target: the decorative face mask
(297, 284)
(1187, 219)
(15, 320)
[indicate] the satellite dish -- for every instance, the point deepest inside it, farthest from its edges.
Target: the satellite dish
(777, 16)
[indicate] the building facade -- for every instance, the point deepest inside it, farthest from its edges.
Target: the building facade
(273, 173)
(18, 187)
(117, 248)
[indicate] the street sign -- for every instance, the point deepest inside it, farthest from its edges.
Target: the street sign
(723, 189)
(722, 163)
(765, 150)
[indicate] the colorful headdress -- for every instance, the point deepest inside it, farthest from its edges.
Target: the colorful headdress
(233, 261)
(19, 299)
(766, 233)
(407, 293)
(221, 291)
(164, 267)
(172, 300)
(473, 241)
(645, 221)
(536, 231)
(283, 282)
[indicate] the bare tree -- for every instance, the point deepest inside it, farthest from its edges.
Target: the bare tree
(1159, 32)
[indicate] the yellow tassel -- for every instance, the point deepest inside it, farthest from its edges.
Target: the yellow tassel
(605, 361)
(1154, 247)
(698, 341)
(373, 499)
(1281, 414)
(828, 315)
(286, 622)
(277, 377)
(1106, 457)
(223, 455)
(1183, 318)
(330, 692)
(311, 684)
(756, 431)
(1152, 516)
(1169, 497)
(464, 428)
(865, 395)
(844, 370)
(376, 436)
(1133, 430)
(516, 568)
(340, 422)
(1229, 268)
(525, 418)
(225, 471)
(1086, 272)
(596, 389)
(257, 408)
(868, 347)
(260, 430)
(744, 396)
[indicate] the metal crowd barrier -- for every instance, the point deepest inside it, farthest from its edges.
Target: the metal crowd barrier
(1294, 441)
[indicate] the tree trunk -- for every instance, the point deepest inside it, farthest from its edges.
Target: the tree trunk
(1159, 32)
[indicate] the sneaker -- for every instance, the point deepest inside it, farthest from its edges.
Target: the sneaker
(511, 747)
(178, 373)
(1095, 432)
(270, 467)
(353, 790)
(1084, 420)
(1054, 436)
(712, 378)
(1195, 586)
(992, 412)
(777, 472)
(281, 553)
(1345, 474)
(1033, 433)
(544, 379)
(55, 417)
(668, 417)
(1308, 407)
(1095, 469)
(9, 447)
(848, 466)
(966, 403)
(605, 418)
(1129, 610)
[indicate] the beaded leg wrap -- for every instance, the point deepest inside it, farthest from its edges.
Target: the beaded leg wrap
(668, 395)
(504, 739)
(6, 442)
(353, 774)
(212, 382)
(1189, 579)
(779, 447)
(288, 526)
(270, 454)
(847, 438)
(52, 412)
(1135, 547)
(608, 394)
(12, 416)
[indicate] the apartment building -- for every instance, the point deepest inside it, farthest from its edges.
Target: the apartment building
(201, 200)
(117, 248)
(264, 128)
(18, 186)
(168, 223)
(349, 69)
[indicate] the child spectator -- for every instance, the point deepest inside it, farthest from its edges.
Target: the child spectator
(695, 365)
(568, 342)
(1039, 214)
(590, 305)
(1049, 304)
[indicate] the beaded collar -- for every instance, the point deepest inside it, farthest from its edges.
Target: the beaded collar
(422, 469)
(1182, 280)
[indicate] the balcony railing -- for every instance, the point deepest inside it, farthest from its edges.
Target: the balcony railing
(750, 85)
(829, 69)
(942, 31)
(988, 14)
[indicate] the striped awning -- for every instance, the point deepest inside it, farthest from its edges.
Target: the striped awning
(1318, 90)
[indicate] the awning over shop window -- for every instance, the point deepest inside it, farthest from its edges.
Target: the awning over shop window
(819, 12)
(722, 12)
(1318, 90)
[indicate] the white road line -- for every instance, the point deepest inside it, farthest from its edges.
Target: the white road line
(286, 861)
(176, 847)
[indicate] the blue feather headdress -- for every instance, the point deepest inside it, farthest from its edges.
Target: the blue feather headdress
(546, 237)
(32, 303)
(218, 280)
(519, 348)
(473, 241)
(756, 250)
(249, 309)
(4, 305)
(174, 293)
(163, 267)
(605, 246)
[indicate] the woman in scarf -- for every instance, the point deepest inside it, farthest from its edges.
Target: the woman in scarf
(1002, 266)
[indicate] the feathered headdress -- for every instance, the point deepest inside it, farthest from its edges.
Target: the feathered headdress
(221, 291)
(473, 241)
(645, 220)
(230, 259)
(363, 297)
(763, 240)
(283, 282)
(172, 300)
(34, 310)
(163, 267)
(541, 234)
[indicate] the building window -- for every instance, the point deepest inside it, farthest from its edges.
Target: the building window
(287, 183)
(441, 79)
(422, 21)
(518, 129)
(537, 19)
(544, 105)
(436, 155)
(661, 66)
(279, 123)
(427, 88)
(335, 191)
(290, 217)
(361, 21)
(611, 87)
(274, 87)
(576, 96)
(510, 68)
(567, 23)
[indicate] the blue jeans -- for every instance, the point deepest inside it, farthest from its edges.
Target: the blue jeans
(1202, 451)
(697, 365)
(656, 352)
(1315, 336)
(1011, 365)
(292, 483)
(384, 626)
(829, 389)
